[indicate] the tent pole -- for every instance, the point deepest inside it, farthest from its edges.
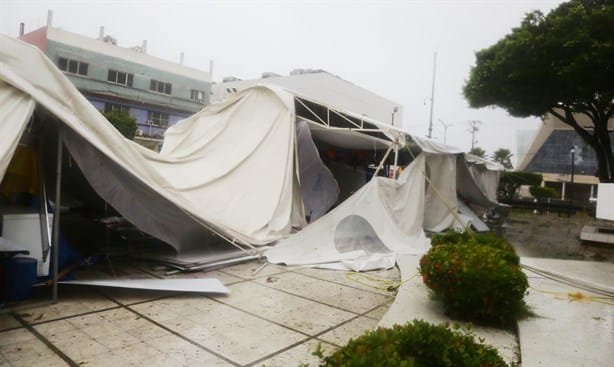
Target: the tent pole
(396, 161)
(56, 213)
(381, 164)
(42, 202)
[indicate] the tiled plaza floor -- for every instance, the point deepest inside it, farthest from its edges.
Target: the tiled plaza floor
(275, 317)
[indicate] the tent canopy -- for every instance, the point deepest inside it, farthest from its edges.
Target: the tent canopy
(246, 168)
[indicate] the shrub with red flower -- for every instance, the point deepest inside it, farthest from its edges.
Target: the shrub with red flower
(476, 276)
(415, 344)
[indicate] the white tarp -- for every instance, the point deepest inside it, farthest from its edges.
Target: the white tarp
(239, 167)
(230, 167)
(16, 109)
(441, 197)
(485, 175)
(380, 220)
(319, 188)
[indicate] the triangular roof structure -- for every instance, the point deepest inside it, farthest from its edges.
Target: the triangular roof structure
(319, 85)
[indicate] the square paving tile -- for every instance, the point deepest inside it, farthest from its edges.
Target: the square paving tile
(184, 353)
(160, 310)
(374, 281)
(131, 355)
(237, 335)
(7, 321)
(351, 330)
(223, 277)
(20, 349)
(183, 304)
(77, 345)
(15, 336)
(86, 338)
(262, 269)
(302, 353)
(73, 300)
(379, 312)
(127, 296)
(291, 311)
(333, 294)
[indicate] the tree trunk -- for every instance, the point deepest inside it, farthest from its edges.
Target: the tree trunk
(599, 140)
(606, 161)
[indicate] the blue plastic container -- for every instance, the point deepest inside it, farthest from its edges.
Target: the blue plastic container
(19, 277)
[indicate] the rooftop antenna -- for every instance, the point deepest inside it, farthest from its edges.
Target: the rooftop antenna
(49, 18)
(432, 96)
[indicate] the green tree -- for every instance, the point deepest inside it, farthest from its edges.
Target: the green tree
(478, 152)
(559, 64)
(511, 181)
(122, 121)
(503, 156)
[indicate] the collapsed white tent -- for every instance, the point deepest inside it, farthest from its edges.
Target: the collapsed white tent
(204, 180)
(380, 220)
(245, 169)
(388, 217)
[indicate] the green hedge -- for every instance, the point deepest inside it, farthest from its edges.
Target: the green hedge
(543, 192)
(476, 276)
(510, 181)
(415, 344)
(490, 239)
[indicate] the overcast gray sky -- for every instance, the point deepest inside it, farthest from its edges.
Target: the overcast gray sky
(383, 46)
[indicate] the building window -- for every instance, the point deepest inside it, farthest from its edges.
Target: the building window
(119, 77)
(108, 107)
(160, 87)
(72, 66)
(157, 119)
(198, 96)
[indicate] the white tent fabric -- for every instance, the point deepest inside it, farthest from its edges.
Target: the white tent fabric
(237, 160)
(485, 174)
(239, 168)
(192, 185)
(380, 220)
(16, 109)
(431, 146)
(441, 196)
(319, 188)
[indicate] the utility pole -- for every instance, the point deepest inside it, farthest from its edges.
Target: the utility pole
(473, 130)
(432, 96)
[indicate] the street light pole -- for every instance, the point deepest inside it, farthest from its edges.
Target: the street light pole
(432, 97)
(445, 129)
(573, 163)
(573, 167)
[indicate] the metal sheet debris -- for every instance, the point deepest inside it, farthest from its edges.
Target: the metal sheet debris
(204, 285)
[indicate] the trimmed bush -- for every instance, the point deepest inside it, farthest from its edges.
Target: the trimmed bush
(543, 192)
(511, 181)
(490, 239)
(415, 344)
(476, 276)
